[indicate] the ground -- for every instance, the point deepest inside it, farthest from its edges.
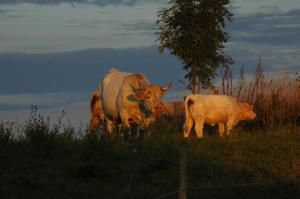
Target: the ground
(246, 164)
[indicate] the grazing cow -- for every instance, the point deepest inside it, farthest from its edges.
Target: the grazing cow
(214, 109)
(97, 115)
(130, 98)
(173, 109)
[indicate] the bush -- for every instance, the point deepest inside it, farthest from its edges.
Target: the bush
(5, 132)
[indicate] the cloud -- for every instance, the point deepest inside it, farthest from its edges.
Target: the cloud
(44, 100)
(141, 25)
(273, 37)
(80, 71)
(275, 29)
(77, 114)
(73, 2)
(9, 14)
(5, 11)
(66, 27)
(146, 28)
(246, 7)
(57, 2)
(64, 81)
(275, 59)
(17, 107)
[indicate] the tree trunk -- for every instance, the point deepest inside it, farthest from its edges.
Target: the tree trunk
(194, 76)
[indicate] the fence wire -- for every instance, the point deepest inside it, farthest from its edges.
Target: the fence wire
(221, 186)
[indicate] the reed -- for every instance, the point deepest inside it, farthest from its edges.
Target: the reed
(276, 99)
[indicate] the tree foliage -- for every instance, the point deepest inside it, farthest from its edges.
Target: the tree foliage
(193, 30)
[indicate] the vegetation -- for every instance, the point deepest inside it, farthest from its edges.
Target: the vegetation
(276, 99)
(193, 30)
(51, 162)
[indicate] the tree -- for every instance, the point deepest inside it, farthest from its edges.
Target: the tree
(193, 30)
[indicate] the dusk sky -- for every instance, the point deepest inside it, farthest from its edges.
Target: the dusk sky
(54, 52)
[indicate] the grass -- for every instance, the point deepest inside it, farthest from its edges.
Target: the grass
(50, 162)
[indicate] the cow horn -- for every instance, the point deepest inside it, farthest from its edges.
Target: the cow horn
(164, 89)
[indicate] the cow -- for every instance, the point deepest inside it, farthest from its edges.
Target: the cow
(173, 109)
(214, 109)
(130, 98)
(97, 115)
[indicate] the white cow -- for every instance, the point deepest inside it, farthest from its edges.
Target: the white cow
(214, 109)
(129, 97)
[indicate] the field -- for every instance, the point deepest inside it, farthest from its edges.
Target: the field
(50, 162)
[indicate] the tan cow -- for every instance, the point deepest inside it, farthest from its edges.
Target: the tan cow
(97, 115)
(214, 109)
(173, 109)
(130, 98)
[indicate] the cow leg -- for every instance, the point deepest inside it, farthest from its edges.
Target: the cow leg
(187, 127)
(229, 125)
(125, 119)
(109, 126)
(126, 123)
(221, 128)
(119, 127)
(199, 128)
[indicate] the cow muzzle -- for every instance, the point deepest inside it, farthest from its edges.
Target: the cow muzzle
(157, 111)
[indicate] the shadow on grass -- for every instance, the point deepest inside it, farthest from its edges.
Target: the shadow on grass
(49, 162)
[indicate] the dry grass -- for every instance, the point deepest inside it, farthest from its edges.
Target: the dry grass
(276, 99)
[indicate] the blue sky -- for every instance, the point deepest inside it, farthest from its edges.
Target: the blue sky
(53, 52)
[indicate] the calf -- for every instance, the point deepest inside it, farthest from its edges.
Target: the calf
(223, 110)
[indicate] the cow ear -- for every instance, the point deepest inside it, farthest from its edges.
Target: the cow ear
(165, 88)
(248, 106)
(136, 96)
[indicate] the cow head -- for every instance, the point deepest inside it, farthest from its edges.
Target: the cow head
(247, 112)
(150, 97)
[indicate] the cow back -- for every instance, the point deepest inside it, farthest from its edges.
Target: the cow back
(111, 84)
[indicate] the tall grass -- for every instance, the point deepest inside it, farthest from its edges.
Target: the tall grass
(276, 99)
(50, 162)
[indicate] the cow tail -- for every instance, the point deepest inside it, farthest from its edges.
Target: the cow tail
(92, 102)
(94, 98)
(187, 103)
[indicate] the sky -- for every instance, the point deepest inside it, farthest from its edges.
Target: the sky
(54, 52)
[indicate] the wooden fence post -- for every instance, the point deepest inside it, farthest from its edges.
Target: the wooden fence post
(183, 172)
